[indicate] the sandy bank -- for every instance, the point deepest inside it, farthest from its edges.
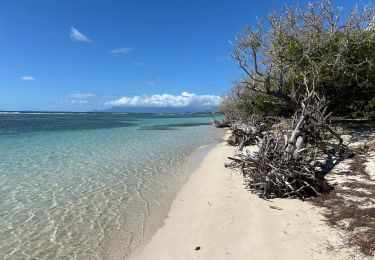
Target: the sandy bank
(213, 211)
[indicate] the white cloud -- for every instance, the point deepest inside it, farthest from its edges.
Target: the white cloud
(79, 102)
(81, 96)
(139, 63)
(28, 78)
(121, 50)
(185, 99)
(77, 36)
(152, 83)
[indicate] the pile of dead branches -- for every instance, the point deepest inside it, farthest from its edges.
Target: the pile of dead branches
(221, 123)
(272, 172)
(248, 132)
(291, 163)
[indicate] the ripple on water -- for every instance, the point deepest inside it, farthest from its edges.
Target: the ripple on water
(90, 194)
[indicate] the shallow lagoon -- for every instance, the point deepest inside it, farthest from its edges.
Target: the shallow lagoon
(90, 186)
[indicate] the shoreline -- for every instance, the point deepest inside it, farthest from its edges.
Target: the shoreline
(154, 223)
(213, 216)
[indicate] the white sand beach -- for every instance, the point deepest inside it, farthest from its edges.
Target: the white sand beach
(215, 217)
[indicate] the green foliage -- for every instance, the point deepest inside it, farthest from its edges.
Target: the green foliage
(346, 87)
(309, 49)
(265, 105)
(245, 104)
(363, 109)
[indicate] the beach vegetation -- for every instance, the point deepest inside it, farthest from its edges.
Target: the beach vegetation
(331, 50)
(300, 67)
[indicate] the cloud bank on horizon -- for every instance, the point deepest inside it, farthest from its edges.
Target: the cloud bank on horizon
(184, 100)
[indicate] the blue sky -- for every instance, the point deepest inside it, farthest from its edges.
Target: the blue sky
(76, 55)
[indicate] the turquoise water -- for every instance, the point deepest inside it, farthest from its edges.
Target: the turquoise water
(90, 186)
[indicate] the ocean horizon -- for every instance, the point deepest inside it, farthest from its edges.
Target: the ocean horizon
(90, 185)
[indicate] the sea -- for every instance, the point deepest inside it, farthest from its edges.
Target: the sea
(91, 185)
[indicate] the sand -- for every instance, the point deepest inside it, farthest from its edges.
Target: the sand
(214, 213)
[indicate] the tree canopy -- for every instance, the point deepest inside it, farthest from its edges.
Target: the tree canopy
(318, 48)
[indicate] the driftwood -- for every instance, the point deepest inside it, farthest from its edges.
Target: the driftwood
(272, 172)
(243, 134)
(221, 123)
(291, 163)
